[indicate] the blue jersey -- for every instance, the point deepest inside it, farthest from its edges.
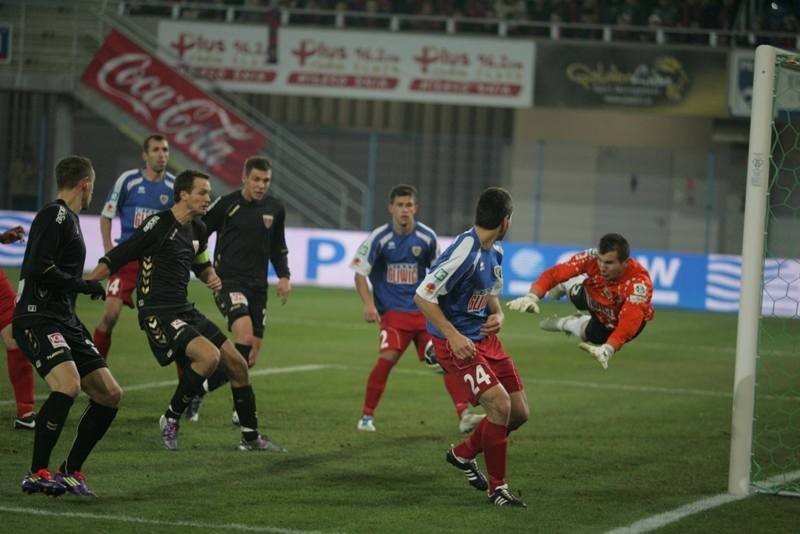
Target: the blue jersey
(395, 263)
(135, 198)
(461, 281)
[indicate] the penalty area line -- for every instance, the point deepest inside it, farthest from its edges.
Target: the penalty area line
(237, 527)
(665, 518)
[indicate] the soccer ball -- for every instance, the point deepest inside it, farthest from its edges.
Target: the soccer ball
(430, 358)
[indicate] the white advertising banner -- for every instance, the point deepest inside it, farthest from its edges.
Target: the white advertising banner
(235, 56)
(480, 71)
(740, 86)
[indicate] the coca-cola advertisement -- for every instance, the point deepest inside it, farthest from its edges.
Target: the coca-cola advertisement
(166, 102)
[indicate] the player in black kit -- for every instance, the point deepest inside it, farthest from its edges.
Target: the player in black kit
(250, 226)
(50, 334)
(169, 245)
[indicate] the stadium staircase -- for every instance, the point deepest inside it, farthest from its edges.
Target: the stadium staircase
(52, 43)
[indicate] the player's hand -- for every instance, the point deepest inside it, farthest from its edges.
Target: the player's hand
(371, 314)
(601, 353)
(251, 358)
(492, 325)
(214, 282)
(529, 303)
(283, 289)
(12, 235)
(93, 288)
(461, 346)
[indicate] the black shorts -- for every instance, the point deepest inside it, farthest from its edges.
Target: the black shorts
(169, 332)
(236, 300)
(596, 332)
(48, 342)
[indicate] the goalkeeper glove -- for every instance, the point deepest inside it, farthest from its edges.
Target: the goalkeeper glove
(93, 288)
(602, 353)
(529, 303)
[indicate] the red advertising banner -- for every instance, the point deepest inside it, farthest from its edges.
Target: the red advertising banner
(168, 103)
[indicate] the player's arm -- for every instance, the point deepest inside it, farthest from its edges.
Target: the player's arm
(48, 230)
(632, 314)
(279, 255)
(105, 233)
(494, 322)
(215, 215)
(462, 347)
(548, 279)
(143, 240)
(201, 265)
(371, 314)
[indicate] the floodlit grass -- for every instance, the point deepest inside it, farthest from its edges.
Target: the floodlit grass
(602, 449)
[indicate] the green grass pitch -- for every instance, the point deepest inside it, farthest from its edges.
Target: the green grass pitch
(601, 450)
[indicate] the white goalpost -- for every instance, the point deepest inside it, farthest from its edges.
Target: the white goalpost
(762, 171)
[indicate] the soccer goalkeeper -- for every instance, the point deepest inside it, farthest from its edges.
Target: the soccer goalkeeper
(614, 288)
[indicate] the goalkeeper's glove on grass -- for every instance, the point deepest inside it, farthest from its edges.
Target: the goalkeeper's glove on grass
(601, 353)
(529, 303)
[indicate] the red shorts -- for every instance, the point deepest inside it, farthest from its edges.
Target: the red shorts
(399, 329)
(122, 283)
(490, 366)
(7, 301)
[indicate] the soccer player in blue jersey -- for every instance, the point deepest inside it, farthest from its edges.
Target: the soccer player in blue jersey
(395, 257)
(459, 297)
(137, 194)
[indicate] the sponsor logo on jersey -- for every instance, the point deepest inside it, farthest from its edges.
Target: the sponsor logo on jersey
(109, 206)
(430, 288)
(62, 213)
(196, 245)
(416, 250)
(177, 324)
(141, 190)
(141, 214)
(477, 302)
(164, 199)
(440, 274)
(268, 220)
(639, 290)
(356, 262)
(402, 273)
(57, 340)
(391, 246)
(498, 272)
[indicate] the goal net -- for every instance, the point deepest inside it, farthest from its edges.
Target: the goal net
(765, 431)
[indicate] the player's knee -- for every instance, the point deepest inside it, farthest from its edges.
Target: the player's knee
(518, 418)
(110, 318)
(497, 404)
(69, 387)
(577, 295)
(111, 397)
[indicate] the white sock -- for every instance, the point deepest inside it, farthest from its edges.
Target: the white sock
(574, 324)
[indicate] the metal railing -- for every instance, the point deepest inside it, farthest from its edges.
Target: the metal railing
(396, 22)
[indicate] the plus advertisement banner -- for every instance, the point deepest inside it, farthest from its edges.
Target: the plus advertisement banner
(322, 258)
(159, 97)
(356, 64)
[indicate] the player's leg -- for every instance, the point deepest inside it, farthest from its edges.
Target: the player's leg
(572, 325)
(20, 374)
(104, 395)
(467, 421)
(119, 292)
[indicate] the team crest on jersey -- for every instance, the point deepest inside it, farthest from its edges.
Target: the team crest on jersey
(177, 324)
(416, 250)
(141, 190)
(164, 199)
(238, 298)
(196, 245)
(268, 220)
(57, 340)
(498, 272)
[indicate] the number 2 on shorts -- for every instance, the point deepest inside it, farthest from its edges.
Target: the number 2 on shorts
(481, 377)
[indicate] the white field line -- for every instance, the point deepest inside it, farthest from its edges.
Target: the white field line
(236, 527)
(665, 518)
(172, 383)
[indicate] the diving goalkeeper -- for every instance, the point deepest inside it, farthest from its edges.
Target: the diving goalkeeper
(613, 287)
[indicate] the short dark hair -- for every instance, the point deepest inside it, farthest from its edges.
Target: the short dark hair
(402, 190)
(494, 205)
(71, 170)
(184, 182)
(151, 137)
(257, 162)
(614, 242)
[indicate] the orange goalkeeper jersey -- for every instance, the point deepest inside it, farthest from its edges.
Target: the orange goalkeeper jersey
(622, 304)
